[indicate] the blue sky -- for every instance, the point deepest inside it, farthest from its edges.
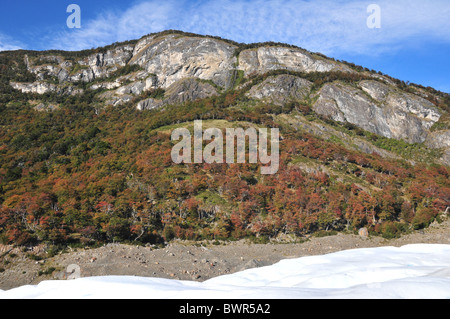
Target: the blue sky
(413, 43)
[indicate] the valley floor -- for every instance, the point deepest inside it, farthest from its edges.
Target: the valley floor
(188, 261)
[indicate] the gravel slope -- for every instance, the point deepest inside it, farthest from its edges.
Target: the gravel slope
(186, 261)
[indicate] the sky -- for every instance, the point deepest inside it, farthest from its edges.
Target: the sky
(411, 42)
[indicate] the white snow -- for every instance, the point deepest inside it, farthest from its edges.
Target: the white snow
(411, 272)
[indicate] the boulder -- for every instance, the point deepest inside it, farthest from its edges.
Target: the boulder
(363, 232)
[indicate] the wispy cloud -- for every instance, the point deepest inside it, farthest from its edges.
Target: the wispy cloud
(109, 26)
(327, 26)
(7, 44)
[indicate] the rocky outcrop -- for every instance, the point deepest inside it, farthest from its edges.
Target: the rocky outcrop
(379, 109)
(173, 58)
(56, 73)
(189, 90)
(265, 59)
(328, 132)
(100, 65)
(44, 87)
(281, 89)
(149, 104)
(35, 87)
(445, 159)
(95, 66)
(377, 90)
(180, 92)
(169, 59)
(406, 102)
(438, 139)
(138, 87)
(124, 88)
(46, 107)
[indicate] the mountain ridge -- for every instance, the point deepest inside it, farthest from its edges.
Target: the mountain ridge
(378, 103)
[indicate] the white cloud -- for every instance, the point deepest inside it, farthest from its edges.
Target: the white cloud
(326, 26)
(8, 44)
(109, 27)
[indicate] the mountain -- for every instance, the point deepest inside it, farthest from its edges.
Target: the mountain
(85, 143)
(190, 67)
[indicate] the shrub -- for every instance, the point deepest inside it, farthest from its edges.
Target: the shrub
(168, 233)
(325, 233)
(48, 271)
(424, 217)
(390, 230)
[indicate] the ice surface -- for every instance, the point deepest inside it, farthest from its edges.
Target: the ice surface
(410, 272)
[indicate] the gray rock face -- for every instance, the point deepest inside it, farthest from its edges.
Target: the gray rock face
(124, 88)
(102, 64)
(44, 87)
(35, 87)
(189, 90)
(410, 103)
(377, 90)
(446, 156)
(98, 65)
(328, 132)
(384, 112)
(265, 59)
(173, 58)
(180, 92)
(438, 139)
(46, 107)
(149, 104)
(281, 89)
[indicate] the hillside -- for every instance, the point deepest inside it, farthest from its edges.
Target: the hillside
(85, 144)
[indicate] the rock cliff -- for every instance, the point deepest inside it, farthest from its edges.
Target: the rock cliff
(382, 111)
(281, 89)
(266, 59)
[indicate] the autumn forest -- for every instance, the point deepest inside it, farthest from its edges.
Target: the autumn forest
(82, 175)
